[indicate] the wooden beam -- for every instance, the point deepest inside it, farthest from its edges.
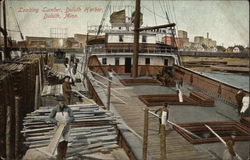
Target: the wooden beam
(36, 93)
(8, 134)
(17, 129)
(55, 140)
(163, 142)
(6, 52)
(156, 27)
(145, 135)
(109, 94)
(136, 38)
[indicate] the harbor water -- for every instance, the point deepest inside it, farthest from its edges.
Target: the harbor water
(236, 80)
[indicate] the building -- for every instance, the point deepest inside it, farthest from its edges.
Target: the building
(45, 42)
(209, 42)
(229, 49)
(182, 34)
(182, 41)
(78, 41)
(22, 44)
(71, 42)
(199, 40)
(10, 42)
(82, 39)
(168, 40)
(236, 50)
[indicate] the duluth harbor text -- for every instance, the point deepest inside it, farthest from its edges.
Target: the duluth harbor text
(60, 13)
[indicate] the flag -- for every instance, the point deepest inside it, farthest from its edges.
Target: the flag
(118, 17)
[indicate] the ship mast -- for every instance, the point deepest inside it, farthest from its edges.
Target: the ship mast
(137, 30)
(136, 38)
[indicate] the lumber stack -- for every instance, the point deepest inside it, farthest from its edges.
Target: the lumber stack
(52, 90)
(92, 131)
(17, 78)
(202, 99)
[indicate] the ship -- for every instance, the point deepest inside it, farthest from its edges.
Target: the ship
(121, 99)
(116, 45)
(200, 106)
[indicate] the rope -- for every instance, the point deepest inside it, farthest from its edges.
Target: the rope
(154, 12)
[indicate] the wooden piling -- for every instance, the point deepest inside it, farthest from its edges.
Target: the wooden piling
(8, 134)
(163, 142)
(145, 135)
(40, 76)
(109, 93)
(17, 127)
(36, 92)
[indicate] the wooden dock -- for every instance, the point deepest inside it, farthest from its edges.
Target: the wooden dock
(178, 148)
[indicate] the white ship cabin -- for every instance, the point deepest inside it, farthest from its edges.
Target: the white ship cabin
(115, 45)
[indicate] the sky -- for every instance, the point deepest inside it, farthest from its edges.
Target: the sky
(226, 21)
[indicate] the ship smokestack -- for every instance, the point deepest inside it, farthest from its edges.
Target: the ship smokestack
(207, 35)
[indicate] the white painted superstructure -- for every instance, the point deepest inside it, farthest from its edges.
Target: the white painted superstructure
(118, 44)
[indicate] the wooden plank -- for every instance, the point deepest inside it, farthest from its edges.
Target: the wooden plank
(55, 140)
(120, 154)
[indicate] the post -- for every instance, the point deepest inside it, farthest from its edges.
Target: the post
(109, 92)
(46, 58)
(8, 134)
(36, 92)
(6, 54)
(40, 77)
(163, 142)
(17, 131)
(145, 135)
(136, 38)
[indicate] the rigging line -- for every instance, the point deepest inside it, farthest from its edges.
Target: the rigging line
(175, 17)
(154, 12)
(163, 11)
(170, 11)
(163, 17)
(18, 26)
(165, 8)
(103, 17)
(174, 11)
(172, 32)
(166, 13)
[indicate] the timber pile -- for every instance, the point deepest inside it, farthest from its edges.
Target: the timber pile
(231, 69)
(52, 90)
(202, 99)
(17, 78)
(204, 63)
(92, 131)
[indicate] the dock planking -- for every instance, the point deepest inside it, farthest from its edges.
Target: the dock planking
(177, 147)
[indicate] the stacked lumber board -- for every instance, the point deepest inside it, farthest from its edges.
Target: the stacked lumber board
(202, 99)
(17, 78)
(92, 131)
(52, 90)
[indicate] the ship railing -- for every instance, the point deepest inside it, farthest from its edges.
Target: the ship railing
(110, 29)
(101, 49)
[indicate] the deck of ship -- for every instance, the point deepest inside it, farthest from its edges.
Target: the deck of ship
(178, 148)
